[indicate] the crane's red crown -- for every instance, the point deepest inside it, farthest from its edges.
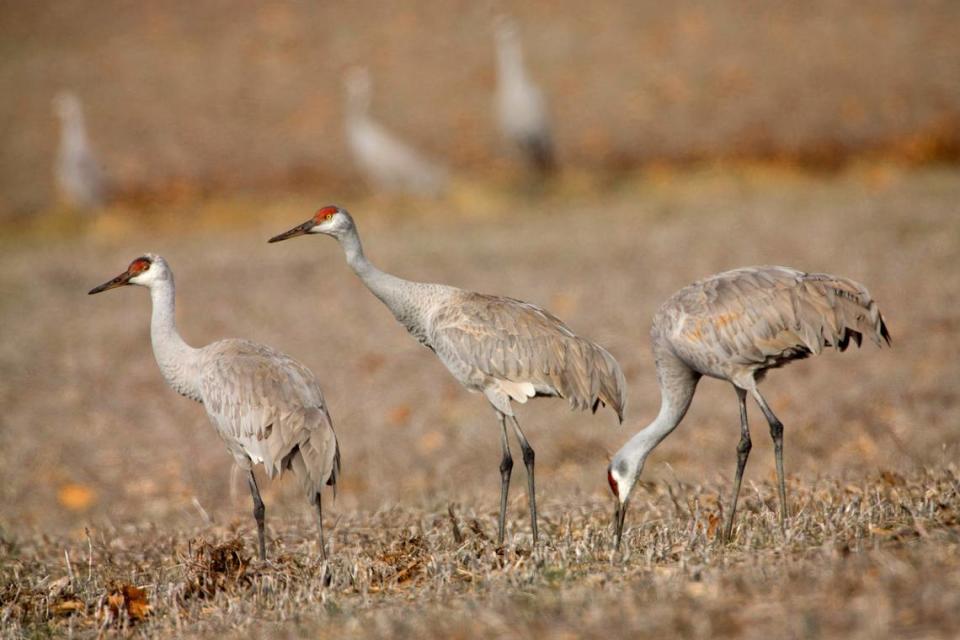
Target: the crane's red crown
(613, 483)
(324, 214)
(139, 265)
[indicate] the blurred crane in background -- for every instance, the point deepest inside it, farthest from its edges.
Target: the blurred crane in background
(77, 173)
(267, 407)
(735, 326)
(507, 349)
(386, 162)
(521, 110)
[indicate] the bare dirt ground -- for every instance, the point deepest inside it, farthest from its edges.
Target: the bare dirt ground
(119, 509)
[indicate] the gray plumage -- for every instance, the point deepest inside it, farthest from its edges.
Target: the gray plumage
(266, 406)
(736, 326)
(507, 349)
(77, 172)
(520, 105)
(386, 162)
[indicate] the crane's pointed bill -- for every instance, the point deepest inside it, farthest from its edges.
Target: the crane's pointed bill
(619, 515)
(119, 281)
(299, 230)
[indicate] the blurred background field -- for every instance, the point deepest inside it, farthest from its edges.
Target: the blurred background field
(691, 138)
(187, 97)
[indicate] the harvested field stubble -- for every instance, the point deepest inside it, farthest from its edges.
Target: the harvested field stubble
(119, 514)
(868, 558)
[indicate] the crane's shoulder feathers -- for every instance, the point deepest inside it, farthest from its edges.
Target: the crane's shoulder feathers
(516, 349)
(267, 406)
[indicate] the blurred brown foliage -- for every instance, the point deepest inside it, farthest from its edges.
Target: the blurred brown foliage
(184, 98)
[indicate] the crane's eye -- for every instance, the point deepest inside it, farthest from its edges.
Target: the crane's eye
(328, 216)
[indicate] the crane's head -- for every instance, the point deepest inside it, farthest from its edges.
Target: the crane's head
(143, 271)
(67, 106)
(359, 88)
(330, 220)
(622, 476)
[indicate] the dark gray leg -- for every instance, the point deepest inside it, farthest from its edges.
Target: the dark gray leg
(528, 459)
(506, 467)
(776, 432)
(258, 513)
(323, 549)
(743, 451)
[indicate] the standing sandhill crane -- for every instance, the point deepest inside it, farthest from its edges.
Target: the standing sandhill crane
(386, 161)
(267, 407)
(736, 326)
(521, 111)
(507, 349)
(77, 172)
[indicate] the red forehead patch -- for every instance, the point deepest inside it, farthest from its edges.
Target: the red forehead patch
(323, 214)
(139, 265)
(613, 483)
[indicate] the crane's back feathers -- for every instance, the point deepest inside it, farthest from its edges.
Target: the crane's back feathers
(745, 321)
(269, 408)
(513, 350)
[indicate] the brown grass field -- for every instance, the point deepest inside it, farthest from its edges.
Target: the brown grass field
(121, 516)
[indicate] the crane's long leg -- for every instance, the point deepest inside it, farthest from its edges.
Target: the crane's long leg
(259, 511)
(506, 467)
(743, 452)
(323, 549)
(776, 432)
(528, 459)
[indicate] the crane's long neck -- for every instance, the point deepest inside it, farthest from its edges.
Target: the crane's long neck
(74, 133)
(178, 361)
(510, 61)
(677, 387)
(398, 294)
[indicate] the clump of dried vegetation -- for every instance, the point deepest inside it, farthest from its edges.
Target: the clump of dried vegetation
(877, 556)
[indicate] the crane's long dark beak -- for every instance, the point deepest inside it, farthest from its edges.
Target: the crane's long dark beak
(619, 515)
(299, 230)
(119, 281)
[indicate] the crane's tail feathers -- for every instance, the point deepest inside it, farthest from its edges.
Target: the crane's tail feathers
(316, 464)
(831, 311)
(592, 379)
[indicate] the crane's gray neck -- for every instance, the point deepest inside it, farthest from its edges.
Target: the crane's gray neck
(510, 60)
(398, 294)
(676, 392)
(73, 132)
(178, 361)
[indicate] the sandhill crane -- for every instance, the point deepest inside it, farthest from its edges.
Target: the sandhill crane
(267, 407)
(507, 349)
(77, 172)
(521, 110)
(736, 326)
(387, 162)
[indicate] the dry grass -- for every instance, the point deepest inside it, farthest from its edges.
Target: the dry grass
(871, 558)
(118, 510)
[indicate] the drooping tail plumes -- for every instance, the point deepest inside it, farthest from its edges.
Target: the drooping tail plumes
(831, 311)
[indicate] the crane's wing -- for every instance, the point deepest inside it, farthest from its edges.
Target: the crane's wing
(526, 351)
(269, 407)
(771, 315)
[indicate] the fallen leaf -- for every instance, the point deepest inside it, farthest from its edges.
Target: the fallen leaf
(126, 602)
(75, 497)
(68, 607)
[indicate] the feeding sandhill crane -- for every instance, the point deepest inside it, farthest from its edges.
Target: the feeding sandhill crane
(521, 110)
(736, 326)
(77, 172)
(387, 162)
(267, 407)
(508, 350)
